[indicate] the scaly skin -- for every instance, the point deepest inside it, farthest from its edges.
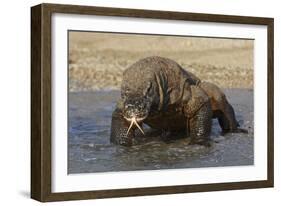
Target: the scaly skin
(161, 94)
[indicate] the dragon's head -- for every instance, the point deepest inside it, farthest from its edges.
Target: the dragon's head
(136, 105)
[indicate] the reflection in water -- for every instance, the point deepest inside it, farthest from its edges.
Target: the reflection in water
(89, 149)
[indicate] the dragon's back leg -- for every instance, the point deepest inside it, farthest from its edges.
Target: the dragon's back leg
(227, 120)
(224, 112)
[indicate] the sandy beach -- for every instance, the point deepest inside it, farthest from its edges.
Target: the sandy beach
(97, 60)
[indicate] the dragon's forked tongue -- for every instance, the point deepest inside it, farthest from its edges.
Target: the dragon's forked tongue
(134, 121)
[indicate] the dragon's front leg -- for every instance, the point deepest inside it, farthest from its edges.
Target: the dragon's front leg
(119, 129)
(199, 113)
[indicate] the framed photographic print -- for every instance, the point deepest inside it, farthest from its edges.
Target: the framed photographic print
(130, 102)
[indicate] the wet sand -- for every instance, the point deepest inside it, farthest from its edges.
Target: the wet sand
(89, 149)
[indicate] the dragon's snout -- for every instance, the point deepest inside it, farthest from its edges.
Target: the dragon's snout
(135, 110)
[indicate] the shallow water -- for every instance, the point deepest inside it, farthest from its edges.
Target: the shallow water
(89, 149)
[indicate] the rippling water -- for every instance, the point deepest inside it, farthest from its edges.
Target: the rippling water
(89, 149)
